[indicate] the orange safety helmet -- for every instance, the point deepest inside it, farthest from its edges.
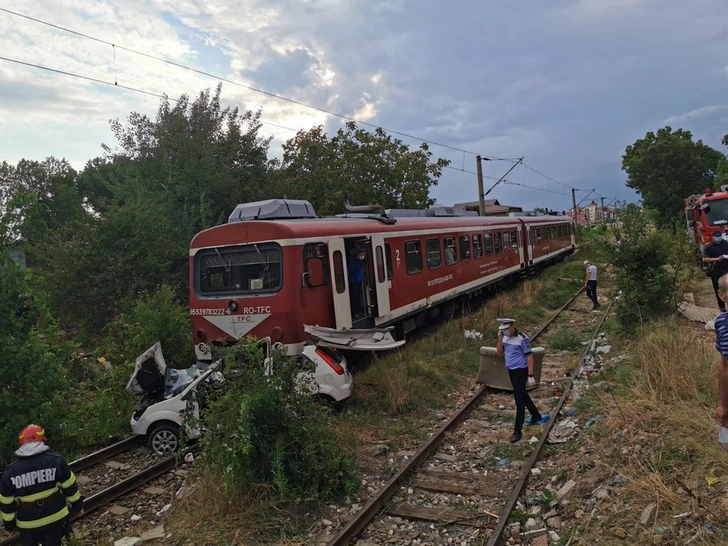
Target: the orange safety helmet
(31, 433)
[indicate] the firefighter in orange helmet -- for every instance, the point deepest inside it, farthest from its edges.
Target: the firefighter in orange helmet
(38, 491)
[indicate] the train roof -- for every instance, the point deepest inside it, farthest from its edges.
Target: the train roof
(352, 224)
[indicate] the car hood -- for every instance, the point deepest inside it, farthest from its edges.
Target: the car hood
(149, 371)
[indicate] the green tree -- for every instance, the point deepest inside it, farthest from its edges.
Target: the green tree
(38, 197)
(30, 363)
(204, 159)
(366, 167)
(666, 167)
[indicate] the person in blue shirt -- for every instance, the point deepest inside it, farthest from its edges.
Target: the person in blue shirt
(516, 348)
(356, 284)
(721, 345)
(713, 254)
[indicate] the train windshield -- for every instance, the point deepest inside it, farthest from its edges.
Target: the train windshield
(718, 214)
(245, 269)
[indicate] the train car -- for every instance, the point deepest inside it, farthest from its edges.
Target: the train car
(277, 270)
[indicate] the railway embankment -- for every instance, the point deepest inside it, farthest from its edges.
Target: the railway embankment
(633, 457)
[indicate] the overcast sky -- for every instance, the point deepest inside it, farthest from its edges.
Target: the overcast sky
(565, 83)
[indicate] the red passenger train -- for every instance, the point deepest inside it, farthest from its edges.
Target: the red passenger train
(276, 268)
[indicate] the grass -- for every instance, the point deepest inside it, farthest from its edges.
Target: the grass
(393, 396)
(565, 340)
(660, 432)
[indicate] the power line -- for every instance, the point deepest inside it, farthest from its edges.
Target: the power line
(546, 176)
(533, 187)
(115, 84)
(245, 86)
(232, 82)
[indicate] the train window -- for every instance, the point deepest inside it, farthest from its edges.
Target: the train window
(451, 255)
(488, 244)
(477, 246)
(339, 272)
(245, 269)
(317, 251)
(434, 253)
(464, 248)
(381, 271)
(514, 240)
(388, 252)
(506, 241)
(413, 256)
(538, 235)
(497, 242)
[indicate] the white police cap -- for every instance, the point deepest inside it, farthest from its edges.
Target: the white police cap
(505, 323)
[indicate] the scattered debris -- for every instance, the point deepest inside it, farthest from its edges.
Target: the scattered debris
(473, 334)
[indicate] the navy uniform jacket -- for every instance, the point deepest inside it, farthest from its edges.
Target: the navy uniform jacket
(34, 491)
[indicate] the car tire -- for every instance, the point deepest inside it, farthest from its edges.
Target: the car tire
(164, 439)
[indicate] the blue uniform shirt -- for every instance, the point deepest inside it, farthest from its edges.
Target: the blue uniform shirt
(515, 350)
(721, 334)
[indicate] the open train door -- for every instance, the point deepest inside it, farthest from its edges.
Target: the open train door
(340, 286)
(382, 274)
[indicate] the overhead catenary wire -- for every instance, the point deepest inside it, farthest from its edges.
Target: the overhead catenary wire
(115, 84)
(114, 46)
(249, 87)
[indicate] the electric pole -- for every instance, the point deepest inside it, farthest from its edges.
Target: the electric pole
(481, 197)
(604, 218)
(573, 200)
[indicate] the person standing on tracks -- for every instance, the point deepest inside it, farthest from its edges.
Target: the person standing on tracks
(356, 284)
(516, 348)
(36, 491)
(590, 283)
(713, 255)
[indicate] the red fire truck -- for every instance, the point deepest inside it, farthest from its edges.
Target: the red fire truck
(705, 213)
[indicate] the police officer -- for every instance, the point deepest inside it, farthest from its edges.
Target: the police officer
(713, 254)
(516, 347)
(36, 491)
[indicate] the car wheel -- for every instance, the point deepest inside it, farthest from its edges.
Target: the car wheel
(164, 439)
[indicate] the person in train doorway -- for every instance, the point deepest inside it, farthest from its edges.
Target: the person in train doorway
(357, 266)
(38, 492)
(590, 283)
(516, 348)
(714, 255)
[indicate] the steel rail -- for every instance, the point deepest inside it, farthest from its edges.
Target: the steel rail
(100, 499)
(370, 509)
(352, 528)
(496, 539)
(103, 454)
(556, 314)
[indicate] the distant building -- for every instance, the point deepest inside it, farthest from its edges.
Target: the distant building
(492, 207)
(592, 214)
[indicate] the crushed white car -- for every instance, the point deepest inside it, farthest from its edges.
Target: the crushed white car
(165, 391)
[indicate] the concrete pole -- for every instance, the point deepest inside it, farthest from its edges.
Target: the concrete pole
(481, 197)
(573, 200)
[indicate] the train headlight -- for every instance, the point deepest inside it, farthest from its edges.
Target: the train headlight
(276, 334)
(202, 348)
(233, 306)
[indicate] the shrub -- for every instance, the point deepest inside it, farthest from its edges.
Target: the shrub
(651, 267)
(264, 429)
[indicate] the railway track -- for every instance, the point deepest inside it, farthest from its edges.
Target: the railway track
(467, 480)
(111, 473)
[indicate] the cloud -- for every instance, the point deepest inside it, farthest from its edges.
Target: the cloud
(697, 113)
(563, 83)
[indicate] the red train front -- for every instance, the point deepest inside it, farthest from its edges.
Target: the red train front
(275, 267)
